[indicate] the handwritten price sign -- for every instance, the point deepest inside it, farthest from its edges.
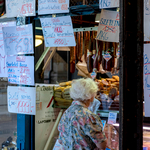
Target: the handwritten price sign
(18, 40)
(53, 6)
(58, 31)
(146, 79)
(112, 118)
(15, 8)
(3, 69)
(108, 29)
(146, 20)
(21, 100)
(108, 3)
(20, 70)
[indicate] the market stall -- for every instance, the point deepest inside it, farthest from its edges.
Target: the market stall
(58, 43)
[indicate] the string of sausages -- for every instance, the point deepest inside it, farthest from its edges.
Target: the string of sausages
(96, 53)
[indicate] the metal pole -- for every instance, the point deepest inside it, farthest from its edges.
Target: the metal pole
(131, 75)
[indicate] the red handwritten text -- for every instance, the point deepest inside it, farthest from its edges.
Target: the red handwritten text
(26, 8)
(62, 1)
(58, 30)
(64, 7)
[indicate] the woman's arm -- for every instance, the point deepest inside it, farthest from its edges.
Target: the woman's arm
(94, 129)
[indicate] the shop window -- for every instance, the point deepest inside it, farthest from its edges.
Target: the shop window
(8, 121)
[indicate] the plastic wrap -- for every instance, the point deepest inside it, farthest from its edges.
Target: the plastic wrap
(94, 106)
(112, 136)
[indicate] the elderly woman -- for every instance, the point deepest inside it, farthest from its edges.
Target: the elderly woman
(79, 128)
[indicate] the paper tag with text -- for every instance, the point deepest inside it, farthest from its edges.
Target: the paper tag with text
(20, 70)
(146, 20)
(18, 39)
(53, 6)
(108, 29)
(3, 57)
(146, 79)
(21, 100)
(58, 31)
(112, 118)
(108, 3)
(20, 8)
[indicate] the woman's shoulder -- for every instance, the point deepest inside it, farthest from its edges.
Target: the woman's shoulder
(91, 115)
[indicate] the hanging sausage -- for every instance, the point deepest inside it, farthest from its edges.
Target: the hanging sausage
(95, 56)
(78, 46)
(118, 55)
(87, 39)
(106, 57)
(113, 53)
(73, 56)
(89, 57)
(72, 61)
(99, 57)
(81, 48)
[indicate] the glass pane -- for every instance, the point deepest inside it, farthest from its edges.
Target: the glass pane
(8, 121)
(60, 70)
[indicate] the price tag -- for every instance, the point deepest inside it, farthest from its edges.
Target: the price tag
(53, 6)
(58, 31)
(108, 29)
(108, 3)
(112, 118)
(93, 75)
(103, 122)
(146, 79)
(15, 8)
(20, 69)
(18, 40)
(21, 100)
(107, 57)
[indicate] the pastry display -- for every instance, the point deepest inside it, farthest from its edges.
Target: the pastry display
(108, 93)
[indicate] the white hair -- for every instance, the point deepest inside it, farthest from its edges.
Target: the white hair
(83, 89)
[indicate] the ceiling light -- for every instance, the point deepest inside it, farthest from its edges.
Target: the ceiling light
(38, 40)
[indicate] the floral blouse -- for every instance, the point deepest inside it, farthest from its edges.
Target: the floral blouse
(79, 128)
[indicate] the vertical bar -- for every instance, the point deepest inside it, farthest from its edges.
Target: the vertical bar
(131, 75)
(25, 125)
(68, 63)
(32, 116)
(20, 131)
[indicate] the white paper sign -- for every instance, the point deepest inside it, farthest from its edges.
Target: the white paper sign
(3, 69)
(147, 79)
(146, 20)
(58, 31)
(53, 6)
(112, 118)
(18, 40)
(108, 29)
(17, 8)
(44, 102)
(108, 3)
(21, 100)
(45, 117)
(20, 70)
